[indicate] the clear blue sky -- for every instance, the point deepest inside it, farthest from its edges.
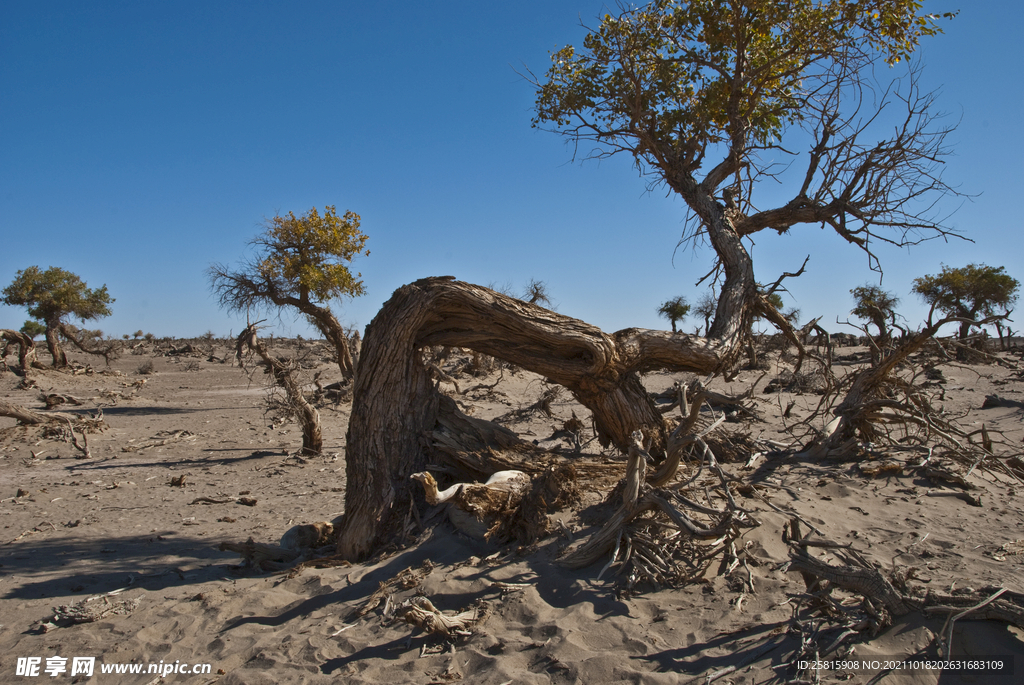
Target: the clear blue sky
(142, 141)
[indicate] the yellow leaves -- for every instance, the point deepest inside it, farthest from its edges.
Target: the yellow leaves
(309, 254)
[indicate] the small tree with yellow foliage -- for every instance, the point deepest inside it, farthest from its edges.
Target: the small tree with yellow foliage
(301, 262)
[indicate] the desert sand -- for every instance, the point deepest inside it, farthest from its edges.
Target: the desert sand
(193, 458)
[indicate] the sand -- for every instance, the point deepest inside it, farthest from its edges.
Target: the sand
(114, 533)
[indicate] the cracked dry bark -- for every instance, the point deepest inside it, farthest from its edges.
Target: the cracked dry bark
(395, 403)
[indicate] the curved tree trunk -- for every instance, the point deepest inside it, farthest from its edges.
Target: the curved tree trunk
(75, 337)
(26, 348)
(60, 359)
(395, 403)
(325, 321)
(329, 325)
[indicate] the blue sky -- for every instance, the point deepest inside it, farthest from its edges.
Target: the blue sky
(142, 141)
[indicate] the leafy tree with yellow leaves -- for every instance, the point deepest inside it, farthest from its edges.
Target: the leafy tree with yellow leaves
(301, 262)
(970, 291)
(710, 98)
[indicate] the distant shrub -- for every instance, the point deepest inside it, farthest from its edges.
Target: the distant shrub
(146, 368)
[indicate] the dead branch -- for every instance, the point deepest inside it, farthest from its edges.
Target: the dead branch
(83, 446)
(85, 342)
(31, 417)
(420, 612)
(176, 436)
(651, 539)
(309, 417)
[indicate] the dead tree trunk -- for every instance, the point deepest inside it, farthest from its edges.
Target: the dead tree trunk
(395, 403)
(26, 348)
(309, 417)
(858, 411)
(25, 415)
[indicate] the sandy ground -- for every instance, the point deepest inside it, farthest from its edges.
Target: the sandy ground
(76, 529)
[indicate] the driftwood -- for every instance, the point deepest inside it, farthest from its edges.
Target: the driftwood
(31, 417)
(262, 557)
(175, 436)
(420, 612)
(664, 549)
(84, 612)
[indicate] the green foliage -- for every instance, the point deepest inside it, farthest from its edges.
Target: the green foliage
(674, 310)
(307, 257)
(969, 291)
(875, 305)
(55, 294)
(775, 300)
(707, 71)
(33, 329)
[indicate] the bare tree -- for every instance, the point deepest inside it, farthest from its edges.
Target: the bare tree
(537, 292)
(706, 309)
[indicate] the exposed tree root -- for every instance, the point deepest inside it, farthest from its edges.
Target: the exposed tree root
(885, 598)
(880, 407)
(651, 539)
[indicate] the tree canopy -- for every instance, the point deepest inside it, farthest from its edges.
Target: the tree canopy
(298, 260)
(969, 291)
(301, 262)
(33, 329)
(701, 94)
(875, 305)
(53, 296)
(674, 310)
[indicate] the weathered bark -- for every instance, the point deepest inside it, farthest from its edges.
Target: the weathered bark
(738, 300)
(395, 403)
(309, 417)
(26, 348)
(60, 359)
(329, 325)
(23, 414)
